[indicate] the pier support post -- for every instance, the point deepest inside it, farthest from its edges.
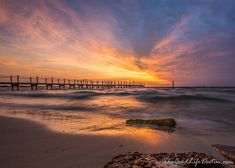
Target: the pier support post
(18, 83)
(46, 83)
(36, 86)
(51, 83)
(31, 85)
(12, 86)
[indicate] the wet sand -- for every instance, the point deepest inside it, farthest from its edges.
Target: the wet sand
(24, 143)
(27, 144)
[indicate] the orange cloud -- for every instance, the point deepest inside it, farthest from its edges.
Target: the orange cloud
(85, 49)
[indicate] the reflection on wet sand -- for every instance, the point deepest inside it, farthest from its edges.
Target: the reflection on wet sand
(85, 123)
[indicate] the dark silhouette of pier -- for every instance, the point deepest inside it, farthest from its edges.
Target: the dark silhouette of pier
(173, 84)
(16, 82)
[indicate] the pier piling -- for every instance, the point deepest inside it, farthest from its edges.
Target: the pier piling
(35, 82)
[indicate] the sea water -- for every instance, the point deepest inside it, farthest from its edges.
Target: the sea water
(204, 116)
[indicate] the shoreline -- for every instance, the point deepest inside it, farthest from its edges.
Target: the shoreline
(26, 143)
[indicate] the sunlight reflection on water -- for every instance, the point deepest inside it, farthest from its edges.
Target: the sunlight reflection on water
(104, 112)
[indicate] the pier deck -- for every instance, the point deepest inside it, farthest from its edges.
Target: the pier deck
(16, 82)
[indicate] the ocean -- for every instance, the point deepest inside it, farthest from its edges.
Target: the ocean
(204, 116)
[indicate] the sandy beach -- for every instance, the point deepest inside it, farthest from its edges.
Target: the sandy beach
(27, 144)
(24, 143)
(87, 128)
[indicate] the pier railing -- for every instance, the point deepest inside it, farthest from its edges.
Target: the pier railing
(16, 82)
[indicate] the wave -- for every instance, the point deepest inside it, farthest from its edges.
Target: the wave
(157, 98)
(47, 107)
(146, 94)
(67, 95)
(80, 95)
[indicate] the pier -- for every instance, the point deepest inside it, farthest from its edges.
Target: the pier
(35, 83)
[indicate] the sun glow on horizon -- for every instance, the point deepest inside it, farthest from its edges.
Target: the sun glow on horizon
(97, 40)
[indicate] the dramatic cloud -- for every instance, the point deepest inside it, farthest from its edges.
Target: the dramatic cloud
(191, 42)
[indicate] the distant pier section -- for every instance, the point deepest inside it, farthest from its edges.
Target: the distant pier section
(35, 83)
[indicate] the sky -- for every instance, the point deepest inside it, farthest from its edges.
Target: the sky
(156, 41)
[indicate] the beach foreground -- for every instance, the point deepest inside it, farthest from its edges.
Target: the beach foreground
(27, 144)
(87, 128)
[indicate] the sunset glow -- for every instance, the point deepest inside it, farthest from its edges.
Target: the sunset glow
(189, 42)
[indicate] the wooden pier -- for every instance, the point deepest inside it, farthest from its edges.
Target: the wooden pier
(34, 83)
